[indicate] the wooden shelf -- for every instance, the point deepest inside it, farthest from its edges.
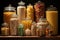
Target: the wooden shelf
(27, 37)
(19, 36)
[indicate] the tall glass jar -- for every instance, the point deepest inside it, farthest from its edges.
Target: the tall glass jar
(39, 10)
(30, 12)
(52, 18)
(13, 24)
(21, 10)
(8, 11)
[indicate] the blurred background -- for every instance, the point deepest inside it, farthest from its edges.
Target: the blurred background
(4, 3)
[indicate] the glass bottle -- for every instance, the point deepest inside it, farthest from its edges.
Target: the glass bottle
(21, 11)
(5, 29)
(20, 30)
(30, 12)
(52, 18)
(13, 24)
(8, 11)
(39, 10)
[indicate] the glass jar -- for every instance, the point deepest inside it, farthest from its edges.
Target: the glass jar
(5, 29)
(21, 11)
(27, 32)
(20, 30)
(39, 10)
(13, 24)
(52, 18)
(27, 23)
(8, 11)
(33, 29)
(30, 12)
(42, 24)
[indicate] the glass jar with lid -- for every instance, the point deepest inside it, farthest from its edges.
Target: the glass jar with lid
(27, 23)
(52, 18)
(21, 11)
(5, 29)
(8, 11)
(30, 12)
(42, 24)
(39, 10)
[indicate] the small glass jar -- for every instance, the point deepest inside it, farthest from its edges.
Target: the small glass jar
(42, 24)
(33, 29)
(8, 11)
(5, 29)
(48, 31)
(27, 23)
(20, 30)
(27, 32)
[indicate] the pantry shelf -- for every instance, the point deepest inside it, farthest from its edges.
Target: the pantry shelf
(19, 36)
(28, 37)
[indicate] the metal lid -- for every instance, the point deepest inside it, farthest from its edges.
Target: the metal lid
(51, 8)
(9, 7)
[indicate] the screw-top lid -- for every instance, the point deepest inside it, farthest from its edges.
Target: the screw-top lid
(21, 3)
(51, 8)
(9, 7)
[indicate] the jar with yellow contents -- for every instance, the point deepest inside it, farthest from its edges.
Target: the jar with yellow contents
(8, 11)
(27, 23)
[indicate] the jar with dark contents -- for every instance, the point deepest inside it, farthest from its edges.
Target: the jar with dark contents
(39, 10)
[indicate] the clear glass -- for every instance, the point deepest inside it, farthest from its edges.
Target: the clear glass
(8, 11)
(27, 23)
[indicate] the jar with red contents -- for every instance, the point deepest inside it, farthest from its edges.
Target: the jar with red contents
(39, 10)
